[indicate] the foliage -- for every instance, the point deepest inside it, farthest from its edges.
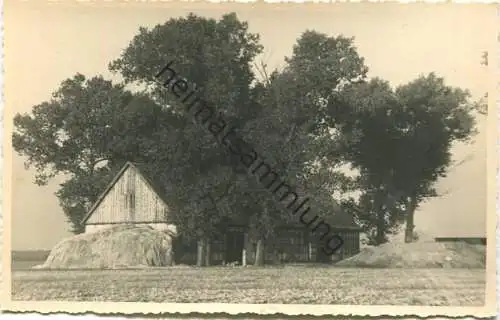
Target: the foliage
(282, 111)
(400, 141)
(436, 116)
(82, 133)
(307, 120)
(291, 126)
(203, 196)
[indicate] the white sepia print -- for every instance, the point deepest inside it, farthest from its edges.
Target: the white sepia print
(320, 159)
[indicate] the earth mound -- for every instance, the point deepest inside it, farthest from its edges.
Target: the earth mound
(121, 246)
(419, 255)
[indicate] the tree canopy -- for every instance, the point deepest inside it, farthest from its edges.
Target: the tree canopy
(316, 114)
(400, 140)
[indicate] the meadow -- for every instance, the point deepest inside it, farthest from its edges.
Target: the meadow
(23, 260)
(289, 284)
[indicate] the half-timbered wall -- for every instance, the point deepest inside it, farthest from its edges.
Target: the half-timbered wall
(351, 244)
(130, 200)
(287, 245)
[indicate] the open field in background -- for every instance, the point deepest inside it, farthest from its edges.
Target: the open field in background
(289, 284)
(22, 260)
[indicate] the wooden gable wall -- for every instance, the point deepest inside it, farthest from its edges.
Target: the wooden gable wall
(131, 199)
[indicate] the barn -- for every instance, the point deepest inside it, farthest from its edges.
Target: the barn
(133, 196)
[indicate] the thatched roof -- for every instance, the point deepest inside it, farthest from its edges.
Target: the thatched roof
(332, 214)
(324, 206)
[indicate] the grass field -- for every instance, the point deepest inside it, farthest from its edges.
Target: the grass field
(22, 260)
(289, 284)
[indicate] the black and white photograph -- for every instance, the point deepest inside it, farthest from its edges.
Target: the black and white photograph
(321, 159)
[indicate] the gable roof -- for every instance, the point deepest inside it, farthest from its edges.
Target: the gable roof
(146, 175)
(329, 211)
(337, 218)
(340, 219)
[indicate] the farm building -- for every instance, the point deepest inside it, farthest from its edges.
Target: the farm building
(469, 240)
(129, 198)
(134, 197)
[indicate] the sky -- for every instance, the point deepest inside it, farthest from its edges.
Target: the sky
(48, 42)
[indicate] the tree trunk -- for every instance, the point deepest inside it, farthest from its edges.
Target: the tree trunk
(380, 235)
(380, 224)
(244, 251)
(410, 216)
(259, 253)
(208, 253)
(200, 258)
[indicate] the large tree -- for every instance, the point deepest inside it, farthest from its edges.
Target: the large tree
(216, 55)
(400, 141)
(366, 117)
(435, 117)
(86, 132)
(291, 130)
(91, 128)
(282, 117)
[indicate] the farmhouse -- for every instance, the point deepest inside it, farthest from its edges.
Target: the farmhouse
(134, 197)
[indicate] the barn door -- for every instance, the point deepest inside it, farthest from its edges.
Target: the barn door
(130, 192)
(235, 241)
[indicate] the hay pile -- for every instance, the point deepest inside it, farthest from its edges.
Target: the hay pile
(419, 255)
(121, 246)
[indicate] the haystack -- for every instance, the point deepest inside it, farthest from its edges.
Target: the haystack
(419, 255)
(121, 246)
